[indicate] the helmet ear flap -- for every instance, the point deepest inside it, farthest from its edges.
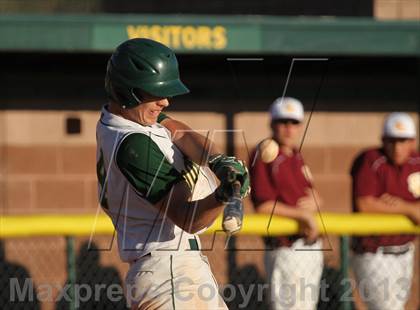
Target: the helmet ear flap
(137, 96)
(108, 83)
(110, 90)
(115, 95)
(126, 98)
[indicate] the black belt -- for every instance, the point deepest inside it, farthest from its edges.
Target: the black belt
(395, 249)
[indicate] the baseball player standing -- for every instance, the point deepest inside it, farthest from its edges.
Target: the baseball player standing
(155, 184)
(387, 180)
(285, 185)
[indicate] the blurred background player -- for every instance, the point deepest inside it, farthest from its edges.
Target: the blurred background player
(151, 183)
(387, 180)
(285, 184)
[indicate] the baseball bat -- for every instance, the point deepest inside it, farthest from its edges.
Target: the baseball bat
(233, 213)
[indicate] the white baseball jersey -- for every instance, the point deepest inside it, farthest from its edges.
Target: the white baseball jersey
(137, 166)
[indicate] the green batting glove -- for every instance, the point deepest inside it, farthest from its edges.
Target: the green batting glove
(223, 166)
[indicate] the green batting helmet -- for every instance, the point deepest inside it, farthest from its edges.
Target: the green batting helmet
(142, 65)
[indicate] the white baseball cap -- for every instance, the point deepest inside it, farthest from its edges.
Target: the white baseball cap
(286, 108)
(399, 125)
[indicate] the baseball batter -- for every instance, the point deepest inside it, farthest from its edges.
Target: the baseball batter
(387, 180)
(285, 184)
(160, 182)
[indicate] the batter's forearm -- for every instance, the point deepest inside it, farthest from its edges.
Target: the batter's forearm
(206, 212)
(196, 215)
(197, 147)
(191, 143)
(191, 216)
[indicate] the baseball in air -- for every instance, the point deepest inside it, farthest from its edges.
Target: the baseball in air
(268, 150)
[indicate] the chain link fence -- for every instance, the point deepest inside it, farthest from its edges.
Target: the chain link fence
(68, 273)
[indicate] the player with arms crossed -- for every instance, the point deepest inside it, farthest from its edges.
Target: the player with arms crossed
(387, 180)
(155, 184)
(284, 187)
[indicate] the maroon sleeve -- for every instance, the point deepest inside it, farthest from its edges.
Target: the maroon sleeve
(262, 188)
(365, 178)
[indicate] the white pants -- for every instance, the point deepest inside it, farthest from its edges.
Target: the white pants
(180, 281)
(294, 276)
(384, 280)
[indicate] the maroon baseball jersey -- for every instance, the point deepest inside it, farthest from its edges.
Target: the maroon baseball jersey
(283, 179)
(373, 175)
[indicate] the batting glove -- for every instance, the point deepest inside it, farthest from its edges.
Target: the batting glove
(223, 166)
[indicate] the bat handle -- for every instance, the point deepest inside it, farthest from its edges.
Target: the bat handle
(231, 176)
(236, 185)
(236, 189)
(233, 213)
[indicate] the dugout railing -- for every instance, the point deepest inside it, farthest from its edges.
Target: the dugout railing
(73, 226)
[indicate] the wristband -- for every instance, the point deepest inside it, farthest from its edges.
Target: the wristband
(213, 158)
(161, 117)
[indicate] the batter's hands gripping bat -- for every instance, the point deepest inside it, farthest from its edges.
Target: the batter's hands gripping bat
(233, 213)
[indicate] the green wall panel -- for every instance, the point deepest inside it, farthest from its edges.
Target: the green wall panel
(212, 34)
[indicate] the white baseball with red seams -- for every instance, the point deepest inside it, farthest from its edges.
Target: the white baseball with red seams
(268, 150)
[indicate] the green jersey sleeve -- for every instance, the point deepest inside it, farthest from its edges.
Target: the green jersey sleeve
(145, 167)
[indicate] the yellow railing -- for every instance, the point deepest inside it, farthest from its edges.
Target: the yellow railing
(254, 224)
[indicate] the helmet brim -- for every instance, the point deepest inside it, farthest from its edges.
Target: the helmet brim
(166, 89)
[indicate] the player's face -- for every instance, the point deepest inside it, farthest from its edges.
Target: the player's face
(398, 150)
(286, 132)
(150, 109)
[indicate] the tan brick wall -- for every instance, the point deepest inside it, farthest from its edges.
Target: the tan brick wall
(50, 171)
(397, 9)
(45, 170)
(47, 128)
